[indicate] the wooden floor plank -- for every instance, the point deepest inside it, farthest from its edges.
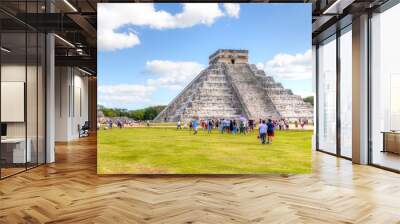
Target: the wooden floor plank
(70, 191)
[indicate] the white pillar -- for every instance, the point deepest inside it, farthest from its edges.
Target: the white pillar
(63, 102)
(360, 90)
(314, 89)
(50, 92)
(50, 99)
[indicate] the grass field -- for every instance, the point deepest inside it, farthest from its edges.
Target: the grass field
(167, 150)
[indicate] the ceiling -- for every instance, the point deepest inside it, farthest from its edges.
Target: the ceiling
(331, 15)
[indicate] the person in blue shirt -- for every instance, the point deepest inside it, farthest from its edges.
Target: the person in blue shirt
(195, 125)
(270, 131)
(210, 126)
(262, 131)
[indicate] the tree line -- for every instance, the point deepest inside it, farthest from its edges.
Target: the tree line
(309, 99)
(148, 113)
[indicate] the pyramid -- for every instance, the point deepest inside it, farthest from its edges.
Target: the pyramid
(231, 88)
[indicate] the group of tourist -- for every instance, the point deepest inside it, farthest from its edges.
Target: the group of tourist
(266, 128)
(301, 121)
(109, 124)
(121, 123)
(283, 124)
(240, 126)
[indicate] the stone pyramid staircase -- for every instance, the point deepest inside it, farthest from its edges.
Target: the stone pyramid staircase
(253, 96)
(230, 91)
(208, 95)
(287, 104)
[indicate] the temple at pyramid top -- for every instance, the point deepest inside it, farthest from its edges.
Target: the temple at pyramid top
(229, 56)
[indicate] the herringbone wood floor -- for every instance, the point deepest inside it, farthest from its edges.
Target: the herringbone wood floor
(69, 191)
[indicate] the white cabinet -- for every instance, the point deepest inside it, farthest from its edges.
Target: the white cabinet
(19, 155)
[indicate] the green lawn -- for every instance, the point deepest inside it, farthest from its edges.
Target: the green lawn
(167, 150)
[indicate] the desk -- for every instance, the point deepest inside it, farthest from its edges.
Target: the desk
(16, 147)
(391, 141)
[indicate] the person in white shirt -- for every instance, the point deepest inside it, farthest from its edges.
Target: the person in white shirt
(262, 132)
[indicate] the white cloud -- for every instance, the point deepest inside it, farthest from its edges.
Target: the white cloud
(172, 74)
(112, 16)
(164, 74)
(232, 9)
(196, 13)
(110, 40)
(289, 67)
(124, 94)
(303, 93)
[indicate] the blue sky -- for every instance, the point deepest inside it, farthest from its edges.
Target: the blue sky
(149, 52)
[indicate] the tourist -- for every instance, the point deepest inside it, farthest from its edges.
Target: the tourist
(275, 122)
(201, 124)
(270, 131)
(234, 127)
(262, 131)
(230, 126)
(281, 125)
(195, 125)
(148, 123)
(119, 124)
(302, 124)
(287, 124)
(210, 126)
(224, 125)
(251, 125)
(178, 125)
(110, 124)
(296, 123)
(241, 127)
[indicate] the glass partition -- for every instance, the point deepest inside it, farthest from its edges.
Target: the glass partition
(22, 77)
(346, 92)
(13, 94)
(327, 95)
(385, 89)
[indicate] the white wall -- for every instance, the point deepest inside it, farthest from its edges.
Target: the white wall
(16, 73)
(33, 126)
(71, 102)
(62, 82)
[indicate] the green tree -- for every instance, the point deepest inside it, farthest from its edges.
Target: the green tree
(108, 112)
(309, 99)
(148, 113)
(137, 114)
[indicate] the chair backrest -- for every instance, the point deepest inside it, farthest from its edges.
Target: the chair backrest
(86, 125)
